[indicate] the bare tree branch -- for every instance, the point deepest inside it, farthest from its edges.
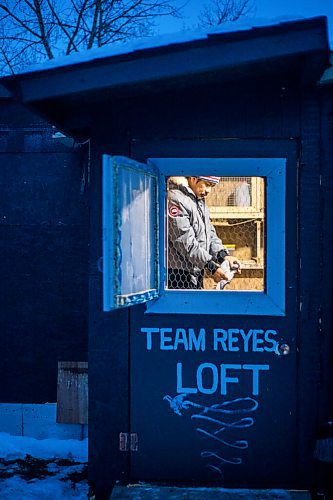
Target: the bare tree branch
(80, 17)
(62, 25)
(33, 30)
(44, 38)
(221, 11)
(18, 20)
(8, 62)
(93, 30)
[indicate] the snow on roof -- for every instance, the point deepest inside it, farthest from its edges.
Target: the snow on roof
(163, 40)
(327, 78)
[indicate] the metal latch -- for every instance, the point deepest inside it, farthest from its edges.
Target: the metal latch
(128, 442)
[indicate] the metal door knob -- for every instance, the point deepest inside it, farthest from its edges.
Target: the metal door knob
(283, 349)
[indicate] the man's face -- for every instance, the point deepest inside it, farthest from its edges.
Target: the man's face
(200, 187)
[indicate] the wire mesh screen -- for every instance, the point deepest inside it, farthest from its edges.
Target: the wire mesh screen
(232, 192)
(231, 217)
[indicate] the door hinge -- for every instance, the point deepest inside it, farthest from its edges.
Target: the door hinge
(128, 441)
(123, 441)
(134, 441)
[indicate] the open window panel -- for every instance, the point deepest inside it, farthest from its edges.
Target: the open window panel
(130, 247)
(247, 212)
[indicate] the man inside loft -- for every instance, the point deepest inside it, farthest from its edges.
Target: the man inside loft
(193, 245)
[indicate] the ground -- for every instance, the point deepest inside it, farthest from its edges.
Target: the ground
(44, 469)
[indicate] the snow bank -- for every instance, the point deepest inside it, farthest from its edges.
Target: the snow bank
(51, 488)
(12, 447)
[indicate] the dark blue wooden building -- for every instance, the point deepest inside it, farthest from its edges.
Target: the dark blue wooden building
(228, 388)
(44, 222)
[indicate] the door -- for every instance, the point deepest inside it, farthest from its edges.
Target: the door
(214, 396)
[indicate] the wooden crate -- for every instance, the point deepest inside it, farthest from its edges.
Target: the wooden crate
(72, 392)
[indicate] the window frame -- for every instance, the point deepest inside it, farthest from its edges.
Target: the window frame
(271, 301)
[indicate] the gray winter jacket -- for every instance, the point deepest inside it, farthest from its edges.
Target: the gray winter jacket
(192, 238)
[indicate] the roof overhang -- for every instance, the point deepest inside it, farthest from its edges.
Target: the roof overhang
(296, 46)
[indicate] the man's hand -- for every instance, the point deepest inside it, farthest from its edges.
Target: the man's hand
(219, 275)
(233, 263)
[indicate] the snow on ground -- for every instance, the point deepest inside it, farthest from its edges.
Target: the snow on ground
(19, 446)
(47, 469)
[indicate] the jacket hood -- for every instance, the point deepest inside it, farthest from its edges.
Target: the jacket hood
(178, 181)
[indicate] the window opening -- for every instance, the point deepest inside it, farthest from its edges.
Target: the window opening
(216, 223)
(247, 211)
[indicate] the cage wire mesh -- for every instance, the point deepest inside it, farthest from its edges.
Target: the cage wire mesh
(237, 212)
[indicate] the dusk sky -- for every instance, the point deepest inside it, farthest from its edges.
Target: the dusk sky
(269, 9)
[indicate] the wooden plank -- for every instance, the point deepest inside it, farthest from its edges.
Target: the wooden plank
(72, 392)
